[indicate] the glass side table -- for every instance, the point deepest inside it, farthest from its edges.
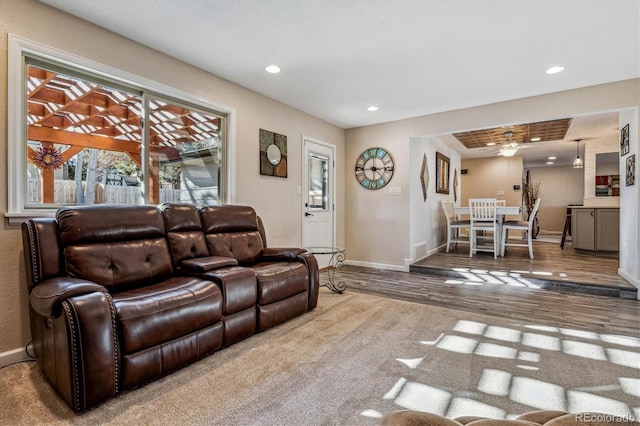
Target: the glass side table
(336, 262)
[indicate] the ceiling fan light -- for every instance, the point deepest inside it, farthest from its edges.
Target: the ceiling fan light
(508, 151)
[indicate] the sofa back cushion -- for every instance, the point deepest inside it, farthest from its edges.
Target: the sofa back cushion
(118, 246)
(232, 231)
(184, 232)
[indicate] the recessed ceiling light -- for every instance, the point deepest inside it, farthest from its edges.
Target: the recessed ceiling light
(273, 69)
(372, 108)
(549, 162)
(552, 158)
(491, 144)
(556, 69)
(536, 139)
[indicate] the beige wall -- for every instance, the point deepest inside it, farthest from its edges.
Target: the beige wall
(487, 176)
(377, 225)
(275, 199)
(559, 186)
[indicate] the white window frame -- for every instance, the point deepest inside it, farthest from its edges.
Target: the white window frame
(17, 211)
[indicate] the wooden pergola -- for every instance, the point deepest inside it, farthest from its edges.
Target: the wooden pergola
(78, 114)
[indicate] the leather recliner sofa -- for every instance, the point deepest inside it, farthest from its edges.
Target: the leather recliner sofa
(122, 295)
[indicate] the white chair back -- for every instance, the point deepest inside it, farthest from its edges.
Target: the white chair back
(449, 210)
(501, 203)
(533, 213)
(482, 210)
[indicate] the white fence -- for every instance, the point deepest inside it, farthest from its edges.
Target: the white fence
(64, 192)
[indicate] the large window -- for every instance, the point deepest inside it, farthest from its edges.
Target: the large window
(87, 137)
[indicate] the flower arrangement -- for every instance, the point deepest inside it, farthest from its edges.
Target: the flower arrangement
(48, 158)
(531, 193)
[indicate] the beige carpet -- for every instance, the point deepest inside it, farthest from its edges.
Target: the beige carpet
(357, 357)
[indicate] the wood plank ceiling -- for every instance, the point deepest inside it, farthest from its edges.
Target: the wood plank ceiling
(553, 130)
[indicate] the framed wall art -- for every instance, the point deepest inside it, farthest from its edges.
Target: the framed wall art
(455, 185)
(424, 177)
(442, 173)
(624, 140)
(273, 154)
(631, 170)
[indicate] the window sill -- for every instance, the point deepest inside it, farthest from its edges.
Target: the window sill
(16, 219)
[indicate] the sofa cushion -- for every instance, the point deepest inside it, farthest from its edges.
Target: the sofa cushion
(109, 223)
(120, 266)
(232, 231)
(278, 281)
(155, 314)
(119, 247)
(184, 231)
(245, 247)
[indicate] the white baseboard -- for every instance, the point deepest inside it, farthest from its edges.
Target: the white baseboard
(429, 253)
(377, 265)
(632, 281)
(435, 250)
(13, 356)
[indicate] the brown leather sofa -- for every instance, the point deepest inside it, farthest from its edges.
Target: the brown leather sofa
(122, 295)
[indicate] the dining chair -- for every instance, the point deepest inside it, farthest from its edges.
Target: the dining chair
(483, 218)
(520, 226)
(454, 225)
(501, 203)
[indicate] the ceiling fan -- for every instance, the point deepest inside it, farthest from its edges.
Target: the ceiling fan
(509, 148)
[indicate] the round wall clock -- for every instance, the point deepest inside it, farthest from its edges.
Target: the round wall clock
(374, 168)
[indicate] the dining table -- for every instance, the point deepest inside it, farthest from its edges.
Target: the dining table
(501, 212)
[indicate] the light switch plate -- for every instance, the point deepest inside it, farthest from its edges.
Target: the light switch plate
(500, 192)
(395, 190)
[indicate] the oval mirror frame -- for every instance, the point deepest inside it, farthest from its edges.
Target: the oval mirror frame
(274, 155)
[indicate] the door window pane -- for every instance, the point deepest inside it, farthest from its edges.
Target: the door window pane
(318, 182)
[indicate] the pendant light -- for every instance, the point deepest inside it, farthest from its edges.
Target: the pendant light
(578, 163)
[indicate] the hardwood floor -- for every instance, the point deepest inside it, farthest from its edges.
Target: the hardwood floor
(552, 268)
(510, 299)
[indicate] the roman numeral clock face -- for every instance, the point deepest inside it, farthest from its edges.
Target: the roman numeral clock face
(374, 168)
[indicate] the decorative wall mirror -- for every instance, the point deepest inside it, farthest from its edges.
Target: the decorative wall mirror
(273, 154)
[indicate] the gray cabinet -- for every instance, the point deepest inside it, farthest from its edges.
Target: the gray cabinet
(595, 229)
(583, 230)
(608, 229)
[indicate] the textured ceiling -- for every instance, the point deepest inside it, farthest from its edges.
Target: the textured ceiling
(409, 58)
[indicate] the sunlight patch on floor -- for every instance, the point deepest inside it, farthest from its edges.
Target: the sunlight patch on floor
(529, 391)
(537, 393)
(421, 397)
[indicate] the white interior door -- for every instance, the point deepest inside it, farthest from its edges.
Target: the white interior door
(318, 205)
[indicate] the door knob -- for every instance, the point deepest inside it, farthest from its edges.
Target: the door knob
(307, 214)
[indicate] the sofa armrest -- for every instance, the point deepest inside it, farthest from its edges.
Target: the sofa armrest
(209, 263)
(314, 278)
(281, 254)
(46, 297)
